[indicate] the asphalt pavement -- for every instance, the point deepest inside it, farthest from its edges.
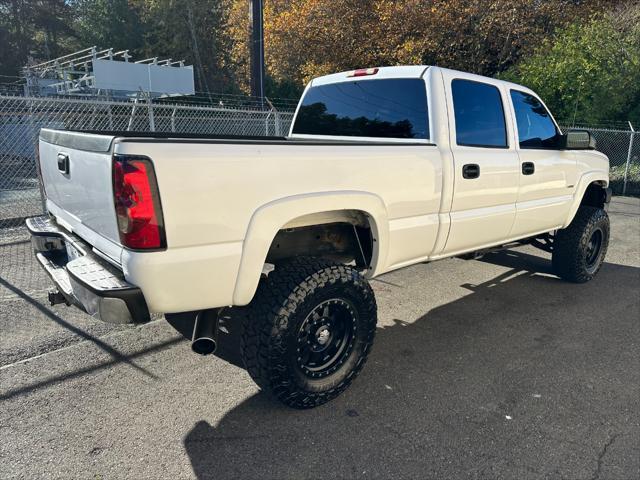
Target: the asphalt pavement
(490, 368)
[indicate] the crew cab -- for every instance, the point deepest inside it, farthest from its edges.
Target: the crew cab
(382, 168)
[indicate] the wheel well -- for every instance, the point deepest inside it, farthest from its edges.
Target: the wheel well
(595, 195)
(346, 240)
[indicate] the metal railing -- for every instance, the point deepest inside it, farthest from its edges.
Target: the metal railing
(21, 119)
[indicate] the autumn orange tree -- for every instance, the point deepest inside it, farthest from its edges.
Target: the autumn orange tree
(303, 38)
(306, 38)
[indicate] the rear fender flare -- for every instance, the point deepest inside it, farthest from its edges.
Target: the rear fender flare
(271, 217)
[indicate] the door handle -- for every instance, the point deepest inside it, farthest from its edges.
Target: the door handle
(63, 163)
(528, 168)
(471, 170)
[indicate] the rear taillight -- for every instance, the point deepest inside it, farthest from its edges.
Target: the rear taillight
(135, 195)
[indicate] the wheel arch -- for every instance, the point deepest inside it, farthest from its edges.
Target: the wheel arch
(591, 190)
(307, 210)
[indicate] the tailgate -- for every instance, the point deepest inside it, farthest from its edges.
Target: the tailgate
(76, 172)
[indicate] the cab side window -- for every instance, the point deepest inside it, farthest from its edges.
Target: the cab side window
(479, 114)
(536, 129)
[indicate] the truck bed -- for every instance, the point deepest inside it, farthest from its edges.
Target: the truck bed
(213, 190)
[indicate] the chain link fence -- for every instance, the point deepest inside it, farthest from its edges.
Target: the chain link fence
(623, 149)
(21, 119)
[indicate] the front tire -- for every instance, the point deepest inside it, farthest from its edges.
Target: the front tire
(579, 249)
(309, 331)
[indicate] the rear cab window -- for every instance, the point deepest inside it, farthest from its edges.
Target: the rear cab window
(479, 114)
(375, 108)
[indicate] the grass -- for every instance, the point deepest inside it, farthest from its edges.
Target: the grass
(616, 178)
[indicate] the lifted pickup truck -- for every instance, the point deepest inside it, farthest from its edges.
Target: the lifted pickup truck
(383, 168)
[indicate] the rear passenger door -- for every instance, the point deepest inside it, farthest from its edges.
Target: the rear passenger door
(547, 173)
(485, 163)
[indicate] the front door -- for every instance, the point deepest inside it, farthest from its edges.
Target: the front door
(547, 173)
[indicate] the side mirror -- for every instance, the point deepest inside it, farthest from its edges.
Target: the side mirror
(579, 140)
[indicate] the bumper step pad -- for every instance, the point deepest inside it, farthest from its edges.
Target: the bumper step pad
(87, 281)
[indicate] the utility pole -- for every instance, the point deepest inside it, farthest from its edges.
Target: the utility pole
(257, 50)
(196, 51)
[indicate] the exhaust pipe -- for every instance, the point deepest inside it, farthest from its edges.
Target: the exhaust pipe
(205, 332)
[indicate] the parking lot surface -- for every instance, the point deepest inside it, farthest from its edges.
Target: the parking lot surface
(490, 368)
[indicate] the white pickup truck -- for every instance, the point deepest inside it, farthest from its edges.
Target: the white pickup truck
(383, 168)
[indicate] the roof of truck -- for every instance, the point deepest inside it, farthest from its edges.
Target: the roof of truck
(405, 71)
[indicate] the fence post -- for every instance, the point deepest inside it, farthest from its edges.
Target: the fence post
(152, 122)
(173, 121)
(278, 131)
(276, 125)
(133, 113)
(266, 123)
(626, 168)
(35, 143)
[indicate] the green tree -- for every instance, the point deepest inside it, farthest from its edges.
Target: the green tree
(38, 30)
(589, 72)
(306, 38)
(189, 30)
(107, 24)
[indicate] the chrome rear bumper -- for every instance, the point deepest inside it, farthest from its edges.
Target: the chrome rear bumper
(84, 279)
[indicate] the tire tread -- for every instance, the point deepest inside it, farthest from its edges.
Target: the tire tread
(263, 341)
(570, 243)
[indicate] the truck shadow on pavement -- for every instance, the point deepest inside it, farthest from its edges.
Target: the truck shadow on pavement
(50, 315)
(526, 376)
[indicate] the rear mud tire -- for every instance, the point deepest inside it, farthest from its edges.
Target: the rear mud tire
(290, 324)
